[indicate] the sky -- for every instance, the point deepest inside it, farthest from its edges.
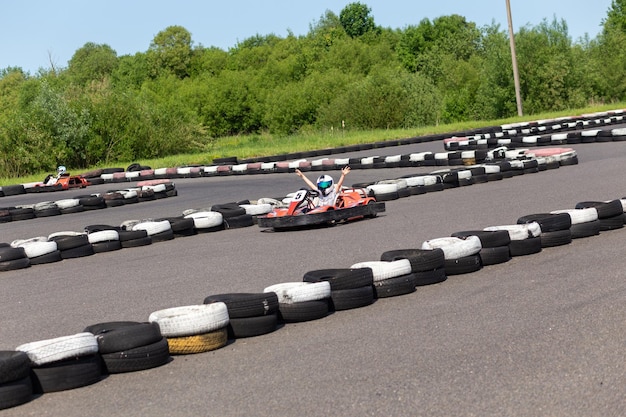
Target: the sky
(37, 34)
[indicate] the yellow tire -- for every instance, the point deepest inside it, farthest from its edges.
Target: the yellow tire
(199, 343)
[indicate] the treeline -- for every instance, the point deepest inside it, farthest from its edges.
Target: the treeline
(346, 72)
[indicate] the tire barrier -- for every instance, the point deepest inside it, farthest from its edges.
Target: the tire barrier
(144, 191)
(561, 131)
(82, 359)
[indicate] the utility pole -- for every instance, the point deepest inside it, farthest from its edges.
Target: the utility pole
(518, 96)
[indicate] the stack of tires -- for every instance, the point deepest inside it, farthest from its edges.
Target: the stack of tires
(194, 328)
(250, 314)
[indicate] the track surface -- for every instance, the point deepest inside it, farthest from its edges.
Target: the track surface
(539, 335)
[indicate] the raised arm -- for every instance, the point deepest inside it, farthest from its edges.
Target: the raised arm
(344, 172)
(306, 180)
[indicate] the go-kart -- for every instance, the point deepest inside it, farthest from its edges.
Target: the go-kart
(350, 204)
(64, 182)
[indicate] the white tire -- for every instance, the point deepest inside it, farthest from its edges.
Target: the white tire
(132, 174)
(419, 157)
(158, 188)
(382, 188)
(257, 209)
(153, 227)
(454, 247)
(368, 160)
(430, 179)
(206, 219)
(382, 270)
(34, 249)
(297, 292)
(67, 203)
(19, 242)
(64, 233)
(519, 231)
(160, 171)
(183, 170)
(239, 168)
(65, 347)
(45, 205)
(579, 216)
(415, 181)
(191, 320)
(103, 236)
(209, 170)
(393, 158)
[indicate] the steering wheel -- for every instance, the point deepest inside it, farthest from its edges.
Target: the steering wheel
(307, 201)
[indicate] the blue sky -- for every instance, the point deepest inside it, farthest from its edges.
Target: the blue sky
(35, 33)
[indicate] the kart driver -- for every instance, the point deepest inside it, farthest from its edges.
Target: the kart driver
(51, 180)
(325, 186)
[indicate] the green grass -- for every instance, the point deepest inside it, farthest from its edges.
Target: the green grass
(258, 145)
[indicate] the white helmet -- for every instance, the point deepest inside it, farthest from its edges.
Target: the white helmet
(325, 184)
(61, 169)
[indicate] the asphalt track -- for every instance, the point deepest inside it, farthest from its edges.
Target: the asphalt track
(540, 335)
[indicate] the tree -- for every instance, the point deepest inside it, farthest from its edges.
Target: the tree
(92, 62)
(170, 51)
(616, 17)
(356, 20)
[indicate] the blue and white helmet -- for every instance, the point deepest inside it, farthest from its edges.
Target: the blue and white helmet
(61, 169)
(325, 184)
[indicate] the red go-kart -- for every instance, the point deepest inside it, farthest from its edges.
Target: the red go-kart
(302, 212)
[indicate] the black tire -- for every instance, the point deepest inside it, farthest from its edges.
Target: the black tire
(15, 264)
(421, 259)
(16, 392)
(352, 298)
(135, 243)
(163, 236)
(78, 252)
(14, 365)
(586, 229)
(611, 223)
(556, 238)
(13, 189)
(181, 226)
(22, 213)
(495, 255)
(252, 326)
(92, 202)
(47, 258)
(70, 242)
(463, 265)
(108, 246)
(547, 221)
(9, 253)
(70, 210)
(66, 374)
(235, 222)
(124, 335)
(525, 247)
(342, 279)
(229, 209)
(242, 305)
(605, 209)
(392, 287)
(434, 276)
(137, 359)
(131, 234)
(55, 211)
(488, 239)
(303, 311)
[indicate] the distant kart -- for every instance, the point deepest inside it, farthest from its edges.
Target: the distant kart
(351, 204)
(64, 182)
